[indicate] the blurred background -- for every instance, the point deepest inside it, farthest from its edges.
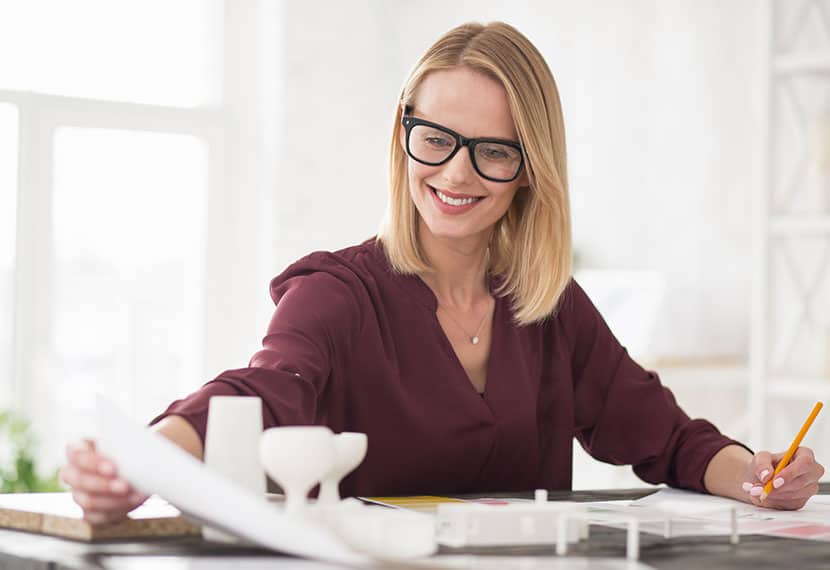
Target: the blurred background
(161, 160)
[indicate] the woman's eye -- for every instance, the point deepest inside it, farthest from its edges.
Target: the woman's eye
(438, 142)
(494, 153)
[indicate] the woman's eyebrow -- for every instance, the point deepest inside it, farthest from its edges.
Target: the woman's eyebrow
(411, 112)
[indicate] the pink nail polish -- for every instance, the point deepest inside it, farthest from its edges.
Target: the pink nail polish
(778, 482)
(764, 474)
(746, 487)
(756, 491)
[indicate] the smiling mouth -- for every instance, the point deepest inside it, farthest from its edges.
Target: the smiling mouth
(455, 201)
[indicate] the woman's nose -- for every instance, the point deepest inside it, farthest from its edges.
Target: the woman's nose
(459, 170)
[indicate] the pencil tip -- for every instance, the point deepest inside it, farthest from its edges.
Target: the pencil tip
(763, 496)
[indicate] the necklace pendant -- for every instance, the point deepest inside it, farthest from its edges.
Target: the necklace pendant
(474, 339)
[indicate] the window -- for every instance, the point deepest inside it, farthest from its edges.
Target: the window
(128, 219)
(111, 122)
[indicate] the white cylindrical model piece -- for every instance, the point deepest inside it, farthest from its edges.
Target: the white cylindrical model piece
(231, 447)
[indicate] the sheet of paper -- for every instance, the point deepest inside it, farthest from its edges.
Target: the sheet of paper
(702, 515)
(157, 466)
(817, 508)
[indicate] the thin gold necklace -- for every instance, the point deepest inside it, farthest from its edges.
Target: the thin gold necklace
(474, 338)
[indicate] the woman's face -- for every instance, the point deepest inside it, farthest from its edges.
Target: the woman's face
(452, 199)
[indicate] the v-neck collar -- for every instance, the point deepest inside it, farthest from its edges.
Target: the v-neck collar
(417, 287)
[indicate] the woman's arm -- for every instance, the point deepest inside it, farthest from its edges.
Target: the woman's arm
(182, 433)
(727, 472)
(623, 414)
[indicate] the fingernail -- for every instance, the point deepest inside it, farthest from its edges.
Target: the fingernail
(756, 491)
(764, 474)
(746, 487)
(778, 482)
(106, 468)
(119, 486)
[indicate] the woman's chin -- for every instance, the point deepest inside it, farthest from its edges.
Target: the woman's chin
(447, 232)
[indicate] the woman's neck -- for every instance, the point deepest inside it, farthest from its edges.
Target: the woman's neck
(459, 271)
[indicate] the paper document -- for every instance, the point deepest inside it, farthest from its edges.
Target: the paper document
(700, 514)
(816, 509)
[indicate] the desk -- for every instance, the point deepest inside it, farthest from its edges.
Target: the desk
(23, 551)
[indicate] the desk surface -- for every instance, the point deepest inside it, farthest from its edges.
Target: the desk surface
(19, 550)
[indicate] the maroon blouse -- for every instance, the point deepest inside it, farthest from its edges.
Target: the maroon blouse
(356, 347)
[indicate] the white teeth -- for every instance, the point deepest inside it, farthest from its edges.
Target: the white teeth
(454, 201)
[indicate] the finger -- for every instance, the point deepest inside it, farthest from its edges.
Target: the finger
(804, 467)
(794, 496)
(108, 504)
(75, 447)
(779, 501)
(804, 453)
(785, 487)
(794, 487)
(795, 500)
(98, 518)
(755, 491)
(763, 465)
(756, 500)
(81, 480)
(91, 460)
(92, 483)
(802, 462)
(795, 471)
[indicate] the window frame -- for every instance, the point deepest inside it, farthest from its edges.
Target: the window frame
(39, 117)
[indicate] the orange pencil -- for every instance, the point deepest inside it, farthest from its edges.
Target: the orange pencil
(787, 456)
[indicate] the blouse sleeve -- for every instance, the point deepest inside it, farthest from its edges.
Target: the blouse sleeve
(315, 320)
(623, 414)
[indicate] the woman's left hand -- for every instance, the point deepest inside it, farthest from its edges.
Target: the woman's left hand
(792, 487)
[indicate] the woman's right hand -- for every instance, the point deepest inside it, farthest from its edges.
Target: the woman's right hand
(96, 486)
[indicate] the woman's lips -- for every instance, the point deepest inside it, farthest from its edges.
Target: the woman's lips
(451, 203)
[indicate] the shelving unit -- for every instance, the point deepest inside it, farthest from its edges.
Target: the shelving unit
(790, 342)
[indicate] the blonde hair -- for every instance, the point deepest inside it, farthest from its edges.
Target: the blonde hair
(530, 249)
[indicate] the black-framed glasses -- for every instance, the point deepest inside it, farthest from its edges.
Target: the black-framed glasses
(432, 144)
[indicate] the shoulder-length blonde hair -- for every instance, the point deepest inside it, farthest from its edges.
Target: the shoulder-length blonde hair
(531, 245)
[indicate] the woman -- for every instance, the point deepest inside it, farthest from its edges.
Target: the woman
(457, 339)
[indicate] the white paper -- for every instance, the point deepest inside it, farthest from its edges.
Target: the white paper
(697, 514)
(817, 508)
(155, 465)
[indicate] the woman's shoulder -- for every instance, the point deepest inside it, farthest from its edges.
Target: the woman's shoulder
(572, 308)
(348, 268)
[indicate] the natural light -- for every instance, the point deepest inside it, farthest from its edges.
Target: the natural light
(129, 223)
(153, 51)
